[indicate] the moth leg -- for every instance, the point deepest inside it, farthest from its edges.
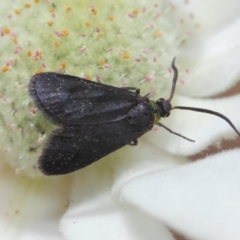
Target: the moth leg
(147, 95)
(134, 142)
(132, 89)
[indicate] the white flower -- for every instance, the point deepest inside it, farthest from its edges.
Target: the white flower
(136, 192)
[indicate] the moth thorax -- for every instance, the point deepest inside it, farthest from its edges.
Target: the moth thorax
(141, 115)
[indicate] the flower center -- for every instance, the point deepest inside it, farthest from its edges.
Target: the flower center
(121, 44)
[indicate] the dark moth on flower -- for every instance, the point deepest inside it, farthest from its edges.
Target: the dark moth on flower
(95, 119)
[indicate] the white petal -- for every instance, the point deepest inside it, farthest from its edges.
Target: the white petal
(213, 63)
(200, 200)
(31, 209)
(205, 129)
(141, 159)
(211, 14)
(212, 55)
(95, 214)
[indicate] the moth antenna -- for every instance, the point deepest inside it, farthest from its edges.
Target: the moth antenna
(174, 81)
(203, 110)
(168, 129)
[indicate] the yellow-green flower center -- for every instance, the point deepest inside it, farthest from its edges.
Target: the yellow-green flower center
(121, 43)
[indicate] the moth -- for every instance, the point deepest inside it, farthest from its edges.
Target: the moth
(95, 119)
